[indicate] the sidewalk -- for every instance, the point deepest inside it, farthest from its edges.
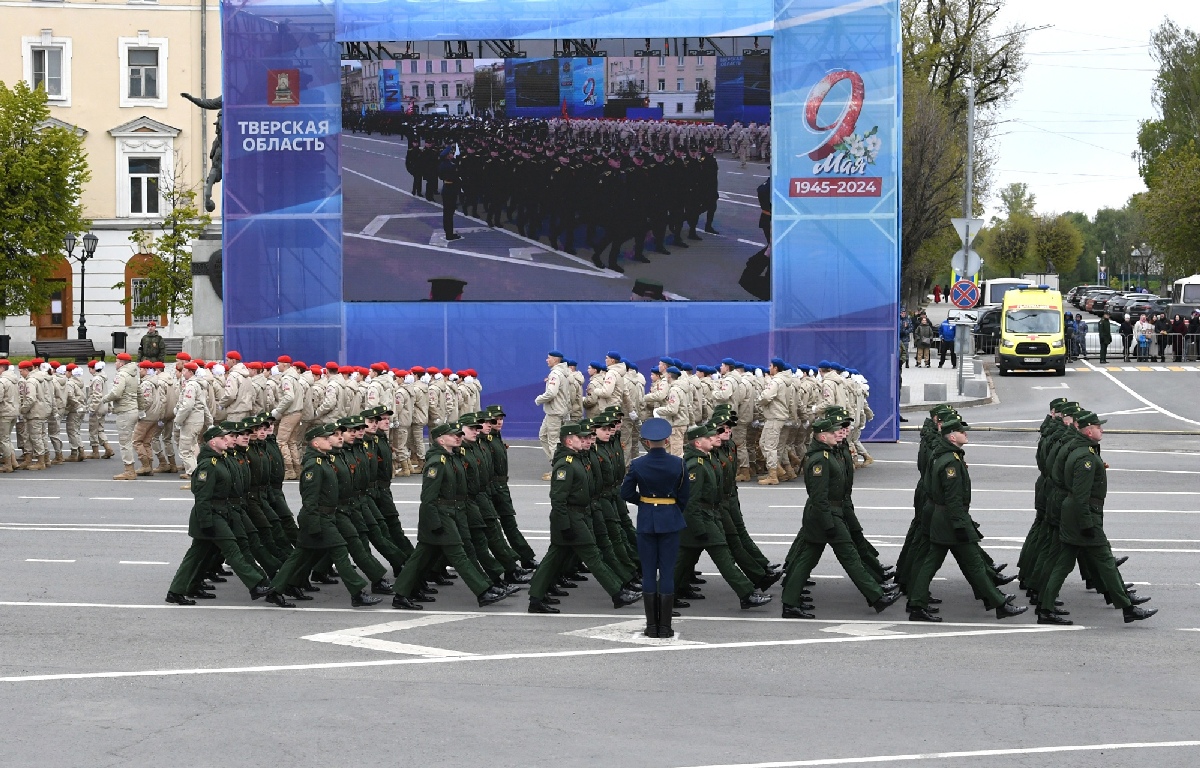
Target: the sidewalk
(914, 380)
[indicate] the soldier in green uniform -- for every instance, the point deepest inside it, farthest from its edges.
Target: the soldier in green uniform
(867, 553)
(378, 423)
(1033, 539)
(1081, 528)
(1062, 440)
(443, 491)
(152, 347)
(362, 452)
(259, 506)
(497, 557)
(825, 479)
(570, 534)
(274, 491)
(705, 531)
(609, 465)
(951, 529)
(349, 519)
(499, 491)
(209, 527)
(319, 536)
(916, 542)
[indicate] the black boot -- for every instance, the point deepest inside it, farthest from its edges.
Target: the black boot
(650, 603)
(664, 615)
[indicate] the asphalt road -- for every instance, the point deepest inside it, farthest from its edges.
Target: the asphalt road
(394, 244)
(96, 670)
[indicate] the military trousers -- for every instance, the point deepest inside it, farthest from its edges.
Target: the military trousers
(559, 556)
(722, 557)
(189, 441)
(969, 562)
(548, 435)
(54, 432)
(96, 436)
(35, 437)
(6, 430)
(1101, 568)
(359, 552)
(295, 569)
(659, 553)
(198, 559)
(675, 442)
(502, 501)
(164, 440)
(126, 423)
(74, 430)
(739, 439)
(769, 442)
(289, 438)
(399, 439)
(806, 557)
(426, 556)
(416, 444)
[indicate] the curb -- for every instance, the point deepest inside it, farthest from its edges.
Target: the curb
(991, 399)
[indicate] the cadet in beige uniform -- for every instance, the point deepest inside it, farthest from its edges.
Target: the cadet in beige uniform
(556, 404)
(97, 409)
(288, 411)
(192, 417)
(10, 409)
(76, 407)
(124, 399)
(675, 410)
(238, 400)
(775, 412)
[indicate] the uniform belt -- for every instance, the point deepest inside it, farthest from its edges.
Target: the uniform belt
(653, 500)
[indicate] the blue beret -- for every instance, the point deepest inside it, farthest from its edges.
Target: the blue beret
(740, 365)
(825, 364)
(673, 370)
(656, 429)
(852, 371)
(730, 362)
(598, 365)
(778, 362)
(555, 353)
(667, 360)
(837, 367)
(631, 366)
(571, 363)
(685, 366)
(614, 355)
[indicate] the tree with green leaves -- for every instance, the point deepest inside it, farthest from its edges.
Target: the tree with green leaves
(705, 98)
(629, 89)
(42, 172)
(1172, 211)
(1018, 200)
(169, 241)
(1057, 244)
(1009, 245)
(1177, 97)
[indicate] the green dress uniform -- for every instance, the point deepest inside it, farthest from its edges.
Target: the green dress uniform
(212, 535)
(349, 519)
(608, 461)
(705, 531)
(318, 536)
(951, 529)
(745, 551)
(823, 523)
(571, 533)
(443, 493)
(249, 526)
(1081, 528)
(867, 552)
(381, 494)
(274, 493)
(491, 548)
(365, 471)
(1033, 539)
(502, 499)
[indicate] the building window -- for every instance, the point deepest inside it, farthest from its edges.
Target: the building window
(662, 85)
(412, 67)
(144, 174)
(443, 65)
(458, 90)
(416, 91)
(143, 73)
(429, 90)
(679, 62)
(144, 64)
(47, 63)
(445, 90)
(47, 70)
(679, 107)
(458, 65)
(660, 106)
(138, 292)
(699, 80)
(662, 61)
(699, 61)
(641, 86)
(429, 66)
(679, 84)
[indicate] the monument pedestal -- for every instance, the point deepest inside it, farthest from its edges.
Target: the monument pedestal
(208, 320)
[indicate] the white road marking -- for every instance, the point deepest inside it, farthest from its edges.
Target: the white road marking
(671, 648)
(39, 497)
(110, 498)
(751, 242)
(629, 632)
(862, 630)
(1141, 399)
(177, 498)
(951, 755)
(362, 637)
(591, 271)
(142, 562)
(36, 560)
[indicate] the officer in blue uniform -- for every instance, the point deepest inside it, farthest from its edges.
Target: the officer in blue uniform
(658, 484)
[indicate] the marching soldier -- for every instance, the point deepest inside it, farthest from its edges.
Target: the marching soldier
(555, 402)
(124, 400)
(10, 409)
(97, 409)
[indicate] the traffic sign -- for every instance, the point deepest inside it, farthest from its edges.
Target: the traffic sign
(967, 229)
(964, 294)
(965, 261)
(1103, 276)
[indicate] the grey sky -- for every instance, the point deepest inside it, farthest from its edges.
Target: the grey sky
(1073, 124)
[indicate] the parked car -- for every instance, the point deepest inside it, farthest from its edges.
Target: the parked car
(1148, 305)
(1116, 305)
(1092, 340)
(1099, 301)
(987, 331)
(1089, 303)
(1076, 294)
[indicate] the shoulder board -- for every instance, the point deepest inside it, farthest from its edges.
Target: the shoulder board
(699, 460)
(318, 462)
(443, 457)
(570, 459)
(214, 460)
(1093, 450)
(333, 459)
(825, 454)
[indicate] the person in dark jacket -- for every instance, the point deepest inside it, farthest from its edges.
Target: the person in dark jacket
(1179, 329)
(764, 204)
(658, 485)
(1126, 331)
(1105, 333)
(451, 181)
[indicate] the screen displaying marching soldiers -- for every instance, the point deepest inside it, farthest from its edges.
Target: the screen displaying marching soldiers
(629, 170)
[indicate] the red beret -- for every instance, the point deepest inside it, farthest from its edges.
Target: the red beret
(446, 371)
(201, 363)
(37, 361)
(71, 366)
(300, 365)
(381, 367)
(25, 364)
(192, 367)
(461, 373)
(432, 369)
(4, 361)
(159, 365)
(418, 370)
(183, 357)
(254, 366)
(91, 363)
(331, 366)
(146, 364)
(284, 359)
(124, 356)
(471, 372)
(233, 354)
(360, 370)
(209, 365)
(316, 370)
(401, 372)
(54, 363)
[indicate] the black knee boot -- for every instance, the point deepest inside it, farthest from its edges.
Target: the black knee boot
(650, 603)
(665, 604)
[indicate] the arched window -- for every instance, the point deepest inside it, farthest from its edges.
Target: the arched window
(138, 290)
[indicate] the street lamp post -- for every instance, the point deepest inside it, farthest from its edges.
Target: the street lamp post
(1099, 262)
(90, 242)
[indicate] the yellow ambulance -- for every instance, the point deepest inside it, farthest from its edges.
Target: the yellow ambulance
(1031, 331)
